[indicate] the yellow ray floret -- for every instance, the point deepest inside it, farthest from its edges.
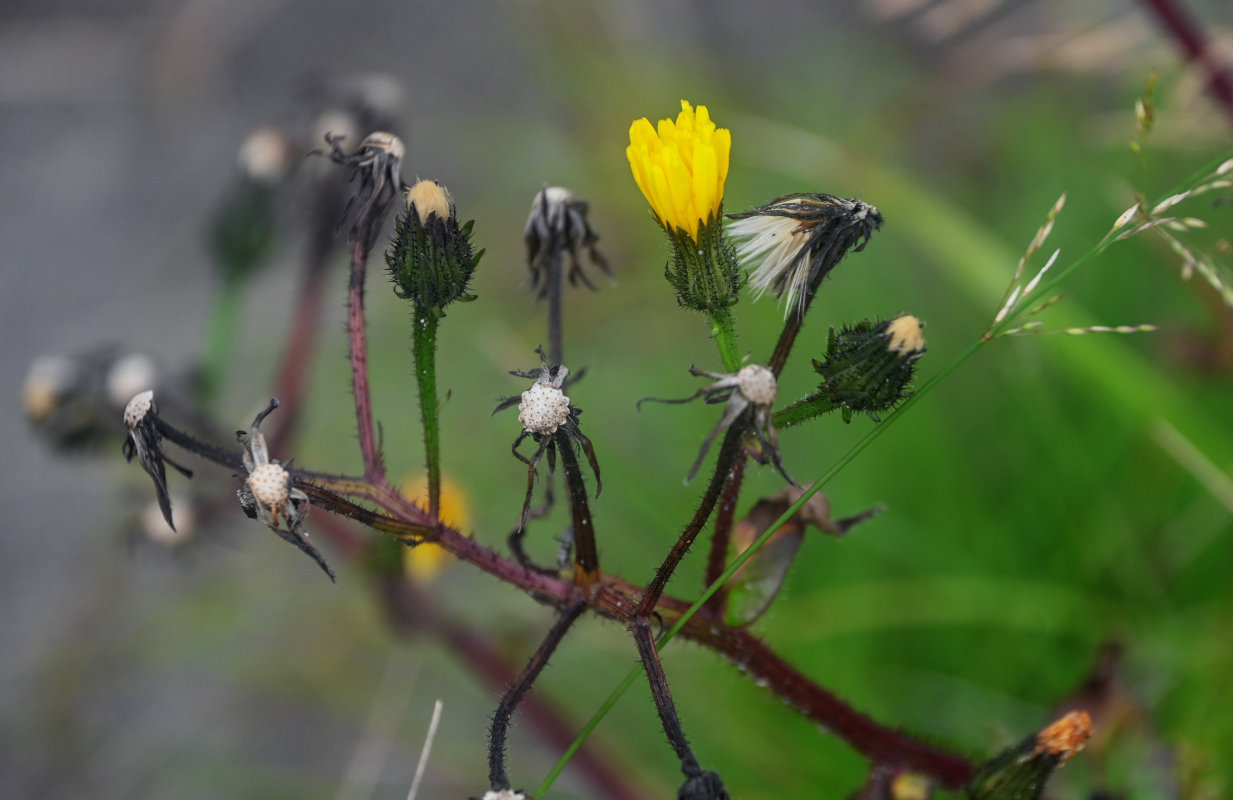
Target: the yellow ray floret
(681, 167)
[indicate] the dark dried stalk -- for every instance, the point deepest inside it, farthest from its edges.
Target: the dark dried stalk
(497, 776)
(668, 717)
(728, 453)
(725, 516)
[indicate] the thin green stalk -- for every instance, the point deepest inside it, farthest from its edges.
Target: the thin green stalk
(723, 331)
(424, 346)
(220, 338)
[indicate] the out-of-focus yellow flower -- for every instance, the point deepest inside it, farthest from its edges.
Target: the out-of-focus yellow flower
(424, 562)
(681, 167)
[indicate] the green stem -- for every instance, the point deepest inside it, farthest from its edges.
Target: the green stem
(220, 338)
(723, 331)
(424, 344)
(802, 410)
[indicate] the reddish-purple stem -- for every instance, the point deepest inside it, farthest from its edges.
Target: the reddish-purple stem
(1195, 46)
(373, 467)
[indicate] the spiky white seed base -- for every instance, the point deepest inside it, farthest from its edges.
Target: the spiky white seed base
(504, 794)
(137, 408)
(543, 409)
(758, 384)
(268, 483)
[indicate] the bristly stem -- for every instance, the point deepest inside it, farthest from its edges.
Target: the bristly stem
(424, 346)
(586, 553)
(802, 410)
(787, 337)
(728, 453)
(723, 331)
(725, 516)
(497, 776)
(359, 360)
(412, 611)
(668, 717)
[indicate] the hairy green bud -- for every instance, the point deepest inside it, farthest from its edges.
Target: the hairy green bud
(430, 258)
(705, 273)
(868, 367)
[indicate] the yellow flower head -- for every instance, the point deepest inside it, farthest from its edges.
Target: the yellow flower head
(681, 168)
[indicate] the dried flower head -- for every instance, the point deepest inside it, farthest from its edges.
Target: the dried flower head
(548, 418)
(797, 239)
(556, 225)
(145, 441)
(269, 492)
(751, 387)
(430, 258)
(378, 165)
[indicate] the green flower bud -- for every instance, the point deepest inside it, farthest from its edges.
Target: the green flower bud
(430, 258)
(868, 367)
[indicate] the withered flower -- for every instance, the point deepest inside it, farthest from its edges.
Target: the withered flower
(558, 225)
(550, 420)
(378, 165)
(797, 239)
(145, 441)
(269, 492)
(751, 387)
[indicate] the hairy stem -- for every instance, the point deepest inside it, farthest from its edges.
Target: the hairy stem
(717, 558)
(663, 698)
(505, 709)
(802, 410)
(413, 611)
(424, 345)
(723, 331)
(359, 359)
(787, 337)
(728, 454)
